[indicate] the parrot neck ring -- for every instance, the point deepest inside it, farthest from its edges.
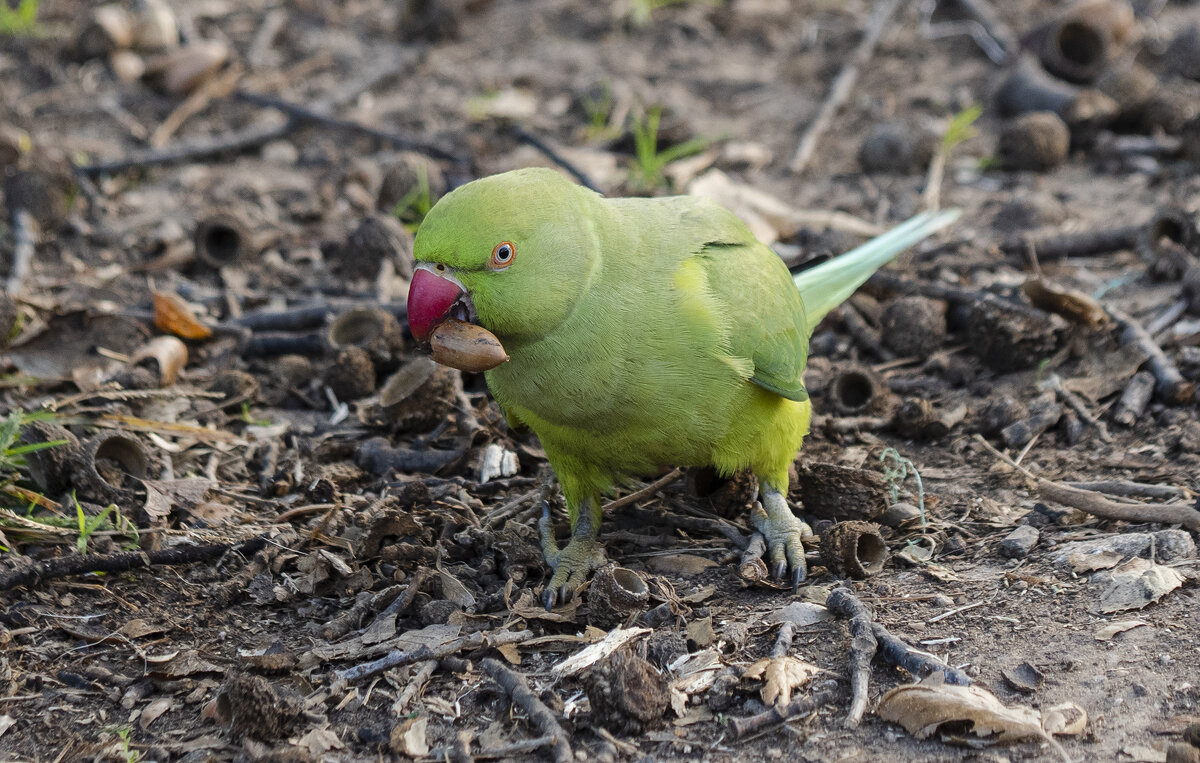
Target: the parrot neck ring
(433, 296)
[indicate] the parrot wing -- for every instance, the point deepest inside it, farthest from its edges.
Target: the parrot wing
(765, 314)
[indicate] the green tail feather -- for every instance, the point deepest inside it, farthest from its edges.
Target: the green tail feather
(831, 283)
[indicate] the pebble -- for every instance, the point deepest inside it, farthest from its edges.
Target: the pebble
(1019, 542)
(942, 601)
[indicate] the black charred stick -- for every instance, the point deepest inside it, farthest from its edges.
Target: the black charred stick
(271, 343)
(862, 649)
(1169, 384)
(522, 696)
(522, 134)
(783, 640)
(1082, 244)
(301, 113)
(798, 707)
(124, 561)
(1043, 414)
(294, 319)
(866, 336)
(915, 661)
(231, 142)
(377, 457)
(1134, 399)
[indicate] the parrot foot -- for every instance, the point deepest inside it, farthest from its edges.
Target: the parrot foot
(572, 565)
(784, 533)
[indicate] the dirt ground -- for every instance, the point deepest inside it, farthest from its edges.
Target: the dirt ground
(213, 319)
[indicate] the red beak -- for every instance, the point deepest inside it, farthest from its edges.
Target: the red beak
(430, 297)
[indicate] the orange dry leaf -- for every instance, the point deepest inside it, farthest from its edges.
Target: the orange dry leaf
(173, 315)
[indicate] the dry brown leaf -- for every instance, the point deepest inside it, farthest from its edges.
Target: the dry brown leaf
(1107, 632)
(780, 676)
(174, 316)
(1137, 583)
(139, 628)
(922, 708)
(408, 738)
(454, 590)
(510, 653)
(1075, 306)
(153, 711)
(319, 741)
(169, 353)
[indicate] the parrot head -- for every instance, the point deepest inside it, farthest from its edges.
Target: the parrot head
(510, 252)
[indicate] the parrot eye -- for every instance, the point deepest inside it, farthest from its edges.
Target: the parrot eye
(503, 255)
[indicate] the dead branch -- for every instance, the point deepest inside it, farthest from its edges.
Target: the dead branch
(302, 113)
(843, 86)
(125, 561)
(233, 142)
(751, 567)
(397, 657)
(895, 651)
(522, 696)
(862, 649)
(1170, 386)
(743, 727)
(544, 148)
(1099, 506)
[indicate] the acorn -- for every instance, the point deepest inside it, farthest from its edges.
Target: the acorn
(466, 346)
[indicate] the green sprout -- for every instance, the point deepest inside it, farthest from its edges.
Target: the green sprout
(641, 11)
(598, 108)
(20, 21)
(414, 205)
(12, 455)
(649, 161)
(896, 472)
(249, 419)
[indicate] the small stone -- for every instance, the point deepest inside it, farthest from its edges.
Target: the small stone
(437, 612)
(1037, 141)
(942, 601)
(281, 152)
(897, 147)
(1019, 542)
(900, 514)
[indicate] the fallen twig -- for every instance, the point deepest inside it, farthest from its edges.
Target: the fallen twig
(518, 690)
(501, 751)
(212, 89)
(751, 566)
(743, 727)
(555, 157)
(124, 561)
(24, 246)
(397, 657)
(843, 86)
(304, 114)
(1170, 386)
(1099, 506)
(895, 651)
(645, 492)
(229, 143)
(862, 649)
(416, 684)
(1127, 489)
(1073, 402)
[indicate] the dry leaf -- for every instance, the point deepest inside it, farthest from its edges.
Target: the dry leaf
(139, 628)
(1075, 306)
(6, 723)
(320, 741)
(408, 738)
(780, 676)
(153, 711)
(453, 590)
(174, 316)
(169, 352)
(510, 652)
(592, 654)
(700, 632)
(1107, 632)
(922, 708)
(697, 672)
(1137, 583)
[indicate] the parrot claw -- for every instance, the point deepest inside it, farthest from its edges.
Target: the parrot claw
(573, 565)
(784, 533)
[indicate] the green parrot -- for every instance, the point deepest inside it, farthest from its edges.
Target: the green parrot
(641, 333)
